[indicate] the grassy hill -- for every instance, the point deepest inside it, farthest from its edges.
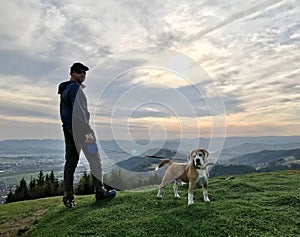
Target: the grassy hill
(266, 204)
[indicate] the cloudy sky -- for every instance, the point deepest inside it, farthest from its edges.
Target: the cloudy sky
(165, 69)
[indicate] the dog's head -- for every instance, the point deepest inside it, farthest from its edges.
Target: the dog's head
(198, 157)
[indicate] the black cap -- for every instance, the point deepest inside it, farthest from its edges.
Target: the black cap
(78, 66)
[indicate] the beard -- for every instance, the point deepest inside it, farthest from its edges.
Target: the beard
(80, 79)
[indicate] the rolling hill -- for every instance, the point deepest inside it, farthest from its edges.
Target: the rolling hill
(265, 204)
(146, 161)
(268, 157)
(31, 146)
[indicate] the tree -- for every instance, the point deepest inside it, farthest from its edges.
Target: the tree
(10, 197)
(85, 185)
(48, 187)
(40, 184)
(55, 183)
(22, 191)
(32, 188)
(41, 179)
(115, 179)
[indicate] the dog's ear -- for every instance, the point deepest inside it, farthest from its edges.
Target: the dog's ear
(190, 155)
(206, 154)
(190, 158)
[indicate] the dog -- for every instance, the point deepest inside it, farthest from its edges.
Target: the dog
(194, 172)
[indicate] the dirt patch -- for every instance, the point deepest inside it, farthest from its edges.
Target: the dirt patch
(20, 227)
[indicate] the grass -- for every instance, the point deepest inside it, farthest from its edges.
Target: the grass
(265, 204)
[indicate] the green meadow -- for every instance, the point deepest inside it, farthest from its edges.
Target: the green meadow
(266, 204)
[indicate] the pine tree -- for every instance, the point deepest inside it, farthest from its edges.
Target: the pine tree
(116, 179)
(85, 185)
(10, 197)
(48, 188)
(32, 188)
(55, 184)
(52, 177)
(40, 185)
(41, 179)
(22, 191)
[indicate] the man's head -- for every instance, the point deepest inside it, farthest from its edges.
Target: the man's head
(78, 72)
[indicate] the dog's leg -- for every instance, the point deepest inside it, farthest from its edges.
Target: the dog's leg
(159, 194)
(191, 193)
(165, 181)
(205, 192)
(161, 186)
(190, 199)
(175, 187)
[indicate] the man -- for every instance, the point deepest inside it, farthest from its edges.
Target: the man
(79, 135)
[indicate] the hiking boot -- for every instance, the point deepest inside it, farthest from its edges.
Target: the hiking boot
(105, 195)
(69, 203)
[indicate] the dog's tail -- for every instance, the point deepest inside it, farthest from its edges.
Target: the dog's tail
(166, 161)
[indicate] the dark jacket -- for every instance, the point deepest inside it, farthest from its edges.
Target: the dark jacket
(74, 112)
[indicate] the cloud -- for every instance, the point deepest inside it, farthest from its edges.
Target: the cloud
(24, 65)
(128, 97)
(249, 50)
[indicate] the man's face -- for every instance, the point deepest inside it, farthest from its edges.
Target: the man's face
(79, 75)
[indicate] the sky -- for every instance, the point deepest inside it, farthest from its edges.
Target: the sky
(159, 69)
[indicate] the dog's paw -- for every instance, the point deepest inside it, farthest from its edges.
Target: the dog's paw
(177, 196)
(159, 196)
(206, 199)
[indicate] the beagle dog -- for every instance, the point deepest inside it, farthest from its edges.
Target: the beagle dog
(194, 172)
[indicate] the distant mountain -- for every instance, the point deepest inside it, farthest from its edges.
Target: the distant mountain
(148, 160)
(247, 148)
(31, 146)
(231, 144)
(232, 147)
(267, 140)
(18, 157)
(268, 157)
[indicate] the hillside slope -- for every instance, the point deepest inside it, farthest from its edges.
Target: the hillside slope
(266, 204)
(266, 157)
(145, 162)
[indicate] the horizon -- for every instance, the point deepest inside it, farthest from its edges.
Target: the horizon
(228, 69)
(61, 139)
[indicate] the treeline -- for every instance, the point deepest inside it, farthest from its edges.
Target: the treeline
(220, 170)
(129, 180)
(43, 186)
(116, 179)
(48, 185)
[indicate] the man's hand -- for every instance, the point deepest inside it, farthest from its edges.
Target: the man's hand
(89, 138)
